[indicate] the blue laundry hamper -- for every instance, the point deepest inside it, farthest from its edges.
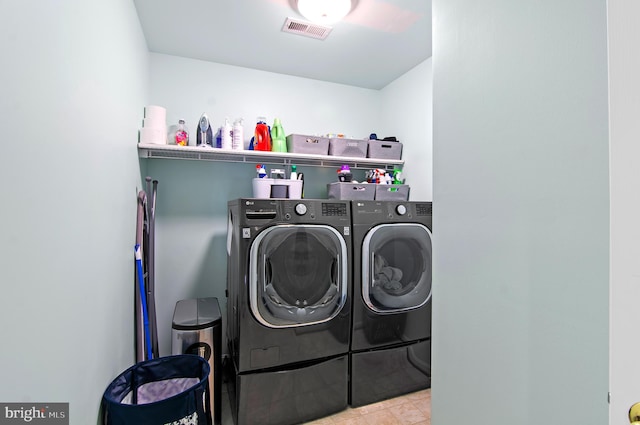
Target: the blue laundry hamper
(171, 390)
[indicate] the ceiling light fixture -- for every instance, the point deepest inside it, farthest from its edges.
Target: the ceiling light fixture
(324, 12)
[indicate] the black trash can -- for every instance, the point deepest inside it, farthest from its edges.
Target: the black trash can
(197, 329)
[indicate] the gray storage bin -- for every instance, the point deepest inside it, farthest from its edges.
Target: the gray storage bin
(384, 150)
(392, 192)
(348, 147)
(348, 191)
(314, 145)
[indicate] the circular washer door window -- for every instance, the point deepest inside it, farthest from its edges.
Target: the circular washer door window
(396, 267)
(298, 275)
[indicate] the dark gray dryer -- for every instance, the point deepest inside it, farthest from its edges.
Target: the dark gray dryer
(288, 308)
(391, 330)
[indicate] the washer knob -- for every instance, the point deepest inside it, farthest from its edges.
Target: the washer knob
(301, 209)
(401, 209)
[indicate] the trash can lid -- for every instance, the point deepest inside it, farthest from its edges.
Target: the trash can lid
(196, 313)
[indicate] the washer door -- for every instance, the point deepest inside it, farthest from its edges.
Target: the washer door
(297, 275)
(396, 267)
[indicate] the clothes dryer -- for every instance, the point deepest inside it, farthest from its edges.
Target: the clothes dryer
(391, 330)
(288, 308)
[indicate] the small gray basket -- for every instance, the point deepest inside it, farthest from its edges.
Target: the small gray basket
(351, 191)
(348, 147)
(314, 145)
(392, 192)
(384, 150)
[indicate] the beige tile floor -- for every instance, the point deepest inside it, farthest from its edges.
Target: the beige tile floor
(410, 409)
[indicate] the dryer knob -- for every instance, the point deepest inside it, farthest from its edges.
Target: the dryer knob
(301, 209)
(401, 209)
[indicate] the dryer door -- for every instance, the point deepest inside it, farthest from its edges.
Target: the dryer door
(298, 275)
(396, 267)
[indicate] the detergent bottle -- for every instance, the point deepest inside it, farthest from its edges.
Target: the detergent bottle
(278, 139)
(262, 138)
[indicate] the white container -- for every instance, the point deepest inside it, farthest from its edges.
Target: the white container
(266, 188)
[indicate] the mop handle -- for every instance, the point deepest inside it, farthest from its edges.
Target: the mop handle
(143, 298)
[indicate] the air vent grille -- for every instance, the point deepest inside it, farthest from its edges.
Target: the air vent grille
(307, 29)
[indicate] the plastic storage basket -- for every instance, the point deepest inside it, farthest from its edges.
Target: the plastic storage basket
(392, 192)
(353, 191)
(314, 145)
(168, 390)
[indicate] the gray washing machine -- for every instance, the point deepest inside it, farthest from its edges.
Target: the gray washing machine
(288, 308)
(391, 330)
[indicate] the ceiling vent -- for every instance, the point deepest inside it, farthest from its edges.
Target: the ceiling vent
(307, 29)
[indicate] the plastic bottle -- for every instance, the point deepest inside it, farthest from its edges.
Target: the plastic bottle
(261, 171)
(397, 177)
(218, 138)
(278, 138)
(180, 136)
(237, 137)
(344, 174)
(226, 130)
(262, 137)
(294, 173)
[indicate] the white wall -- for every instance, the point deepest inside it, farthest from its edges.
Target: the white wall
(624, 132)
(192, 196)
(521, 272)
(407, 113)
(190, 87)
(74, 81)
(72, 100)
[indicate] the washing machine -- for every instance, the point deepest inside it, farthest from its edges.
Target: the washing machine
(288, 308)
(391, 331)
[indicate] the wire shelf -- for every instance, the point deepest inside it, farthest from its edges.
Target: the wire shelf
(272, 158)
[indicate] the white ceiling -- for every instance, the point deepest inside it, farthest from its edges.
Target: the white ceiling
(376, 43)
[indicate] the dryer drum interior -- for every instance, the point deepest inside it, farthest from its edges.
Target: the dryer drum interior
(397, 268)
(298, 275)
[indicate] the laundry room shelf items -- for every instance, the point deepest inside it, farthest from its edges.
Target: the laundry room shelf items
(278, 158)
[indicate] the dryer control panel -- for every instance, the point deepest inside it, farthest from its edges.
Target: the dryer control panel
(334, 209)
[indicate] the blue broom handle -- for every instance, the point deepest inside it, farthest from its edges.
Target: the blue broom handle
(143, 298)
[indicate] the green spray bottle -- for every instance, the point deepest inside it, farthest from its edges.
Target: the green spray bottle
(278, 138)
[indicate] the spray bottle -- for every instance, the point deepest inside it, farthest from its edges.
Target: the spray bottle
(225, 140)
(261, 171)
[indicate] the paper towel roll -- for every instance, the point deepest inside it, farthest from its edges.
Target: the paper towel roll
(154, 135)
(155, 113)
(153, 123)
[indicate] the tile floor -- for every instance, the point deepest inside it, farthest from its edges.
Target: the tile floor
(413, 409)
(409, 409)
